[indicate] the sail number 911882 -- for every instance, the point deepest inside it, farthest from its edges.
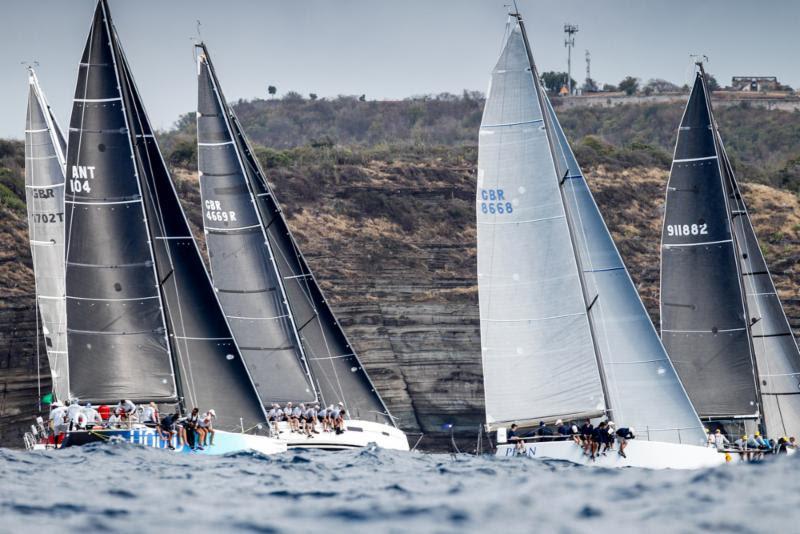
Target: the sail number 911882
(687, 229)
(494, 202)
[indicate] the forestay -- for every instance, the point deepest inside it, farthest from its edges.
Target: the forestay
(538, 356)
(44, 190)
(642, 386)
(704, 326)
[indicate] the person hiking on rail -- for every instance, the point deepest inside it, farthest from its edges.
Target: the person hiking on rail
(624, 434)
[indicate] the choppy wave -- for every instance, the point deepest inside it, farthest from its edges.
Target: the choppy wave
(131, 489)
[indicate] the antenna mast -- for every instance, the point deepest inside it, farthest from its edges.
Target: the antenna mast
(569, 43)
(589, 70)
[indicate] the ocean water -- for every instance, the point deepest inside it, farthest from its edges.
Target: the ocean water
(126, 488)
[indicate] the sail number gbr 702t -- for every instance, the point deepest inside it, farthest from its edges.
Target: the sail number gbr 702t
(493, 201)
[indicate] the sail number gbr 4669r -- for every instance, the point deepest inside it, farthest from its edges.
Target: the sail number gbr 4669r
(687, 229)
(493, 201)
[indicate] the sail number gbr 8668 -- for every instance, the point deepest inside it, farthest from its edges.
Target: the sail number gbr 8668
(493, 201)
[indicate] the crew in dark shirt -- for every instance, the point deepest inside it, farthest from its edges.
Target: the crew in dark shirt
(562, 428)
(168, 427)
(623, 435)
(598, 437)
(543, 430)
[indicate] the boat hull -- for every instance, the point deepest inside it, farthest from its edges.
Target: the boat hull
(358, 434)
(646, 454)
(224, 442)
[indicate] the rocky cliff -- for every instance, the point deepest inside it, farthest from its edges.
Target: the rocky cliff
(392, 239)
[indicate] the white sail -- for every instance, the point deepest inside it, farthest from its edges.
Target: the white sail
(538, 356)
(643, 389)
(44, 191)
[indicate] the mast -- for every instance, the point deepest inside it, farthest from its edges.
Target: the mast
(44, 189)
(549, 128)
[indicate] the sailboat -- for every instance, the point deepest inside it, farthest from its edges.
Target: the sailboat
(294, 346)
(564, 333)
(143, 322)
(45, 149)
(722, 321)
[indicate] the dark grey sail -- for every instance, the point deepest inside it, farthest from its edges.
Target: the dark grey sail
(117, 337)
(774, 346)
(242, 260)
(211, 371)
(704, 324)
(336, 370)
(44, 190)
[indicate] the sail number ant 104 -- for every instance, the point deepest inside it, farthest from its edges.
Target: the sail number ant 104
(687, 229)
(80, 180)
(493, 201)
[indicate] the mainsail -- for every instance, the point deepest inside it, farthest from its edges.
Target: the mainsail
(766, 347)
(44, 191)
(563, 331)
(703, 316)
(140, 224)
(231, 177)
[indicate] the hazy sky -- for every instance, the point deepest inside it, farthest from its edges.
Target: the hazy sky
(383, 48)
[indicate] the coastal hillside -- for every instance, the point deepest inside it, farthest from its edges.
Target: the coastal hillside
(388, 226)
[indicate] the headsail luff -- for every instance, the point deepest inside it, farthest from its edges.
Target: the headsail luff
(776, 353)
(116, 332)
(337, 372)
(704, 323)
(211, 372)
(539, 360)
(44, 190)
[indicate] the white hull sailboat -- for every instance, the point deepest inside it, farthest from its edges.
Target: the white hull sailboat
(638, 453)
(357, 434)
(564, 333)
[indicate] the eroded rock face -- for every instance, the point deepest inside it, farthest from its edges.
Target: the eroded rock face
(393, 245)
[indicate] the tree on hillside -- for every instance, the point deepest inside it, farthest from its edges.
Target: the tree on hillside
(312, 96)
(629, 85)
(554, 81)
(609, 88)
(362, 98)
(272, 90)
(711, 82)
(293, 96)
(590, 86)
(657, 85)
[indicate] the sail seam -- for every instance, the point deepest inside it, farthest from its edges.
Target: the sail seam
(98, 100)
(511, 123)
(103, 203)
(670, 245)
(689, 160)
(223, 143)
